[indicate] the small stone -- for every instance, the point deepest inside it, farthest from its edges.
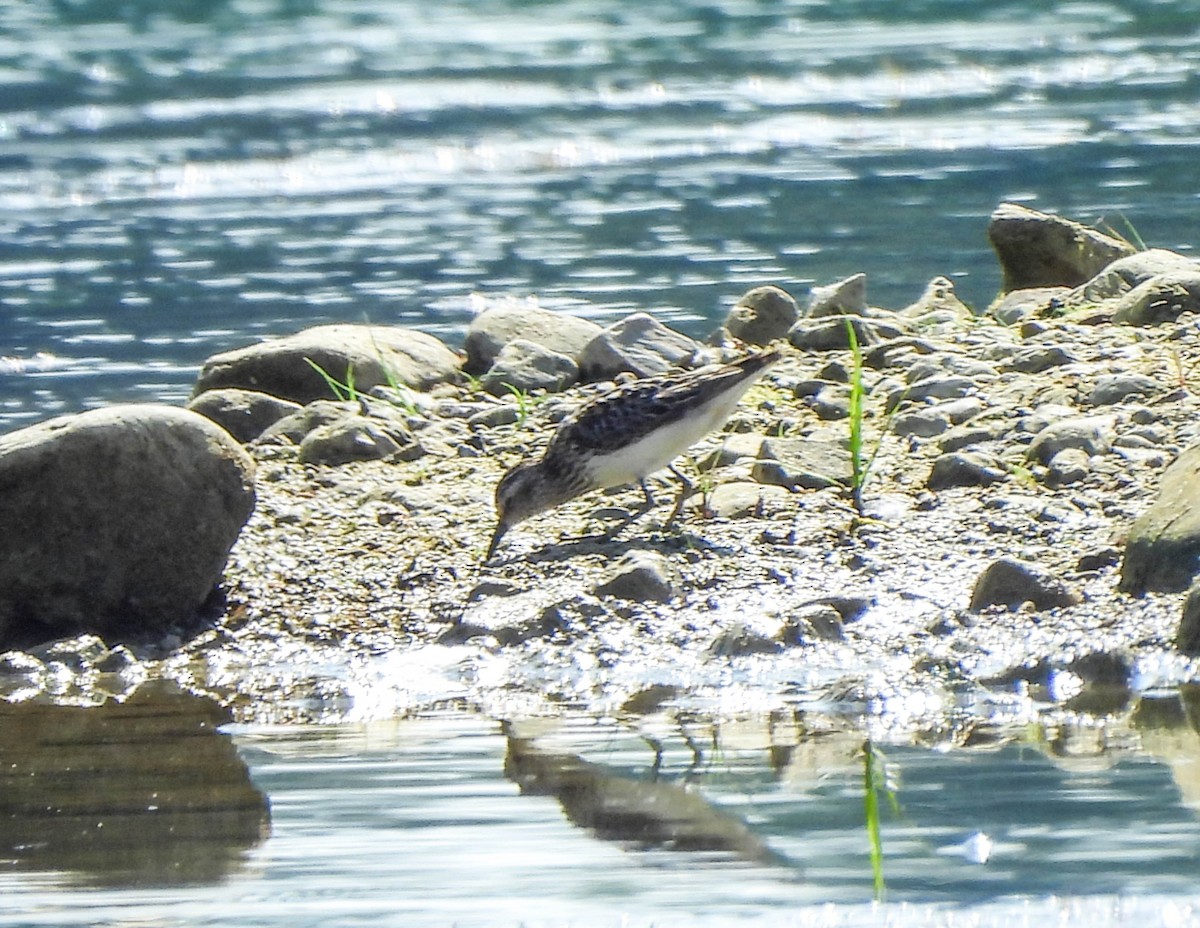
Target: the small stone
(1011, 583)
(639, 576)
(508, 319)
(815, 622)
(938, 304)
(964, 469)
(524, 366)
(638, 344)
(829, 333)
(762, 315)
(1071, 465)
(357, 438)
(1019, 305)
(1121, 387)
(1038, 358)
(846, 297)
(923, 423)
(802, 462)
(1084, 434)
(741, 500)
(831, 402)
(741, 640)
(244, 414)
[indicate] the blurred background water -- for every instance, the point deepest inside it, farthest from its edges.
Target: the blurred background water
(178, 177)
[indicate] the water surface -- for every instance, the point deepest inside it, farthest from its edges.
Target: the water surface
(178, 179)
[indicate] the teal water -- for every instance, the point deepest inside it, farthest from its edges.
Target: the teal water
(181, 178)
(452, 818)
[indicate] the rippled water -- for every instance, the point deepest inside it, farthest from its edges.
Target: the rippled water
(670, 819)
(178, 178)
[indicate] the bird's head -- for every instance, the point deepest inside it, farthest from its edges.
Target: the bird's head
(519, 495)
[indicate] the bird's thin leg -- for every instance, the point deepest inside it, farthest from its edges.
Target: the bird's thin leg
(685, 489)
(636, 514)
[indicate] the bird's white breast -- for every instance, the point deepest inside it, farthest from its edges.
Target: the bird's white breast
(657, 449)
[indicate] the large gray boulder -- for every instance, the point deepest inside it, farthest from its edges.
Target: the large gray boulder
(117, 519)
(1162, 551)
(367, 355)
(1040, 250)
(500, 324)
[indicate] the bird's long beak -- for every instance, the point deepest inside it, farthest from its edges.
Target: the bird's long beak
(501, 528)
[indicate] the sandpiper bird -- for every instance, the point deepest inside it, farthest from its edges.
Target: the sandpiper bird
(625, 435)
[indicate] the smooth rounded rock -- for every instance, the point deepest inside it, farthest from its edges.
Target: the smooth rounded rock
(638, 344)
(117, 519)
(762, 315)
(357, 356)
(1012, 583)
(639, 576)
(500, 324)
(244, 414)
(524, 366)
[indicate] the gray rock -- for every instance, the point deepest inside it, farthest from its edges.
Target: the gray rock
(938, 304)
(831, 402)
(1019, 305)
(740, 500)
(812, 622)
(1012, 583)
(762, 315)
(1160, 299)
(357, 438)
(1088, 434)
(964, 469)
(1127, 273)
(937, 387)
(244, 414)
(734, 447)
(292, 428)
(802, 462)
(921, 423)
(498, 325)
(1039, 250)
(639, 576)
(1187, 636)
(526, 366)
(845, 298)
(368, 355)
(639, 344)
(1037, 358)
(1162, 552)
(974, 434)
(117, 519)
(829, 333)
(739, 640)
(1071, 465)
(961, 410)
(1119, 388)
